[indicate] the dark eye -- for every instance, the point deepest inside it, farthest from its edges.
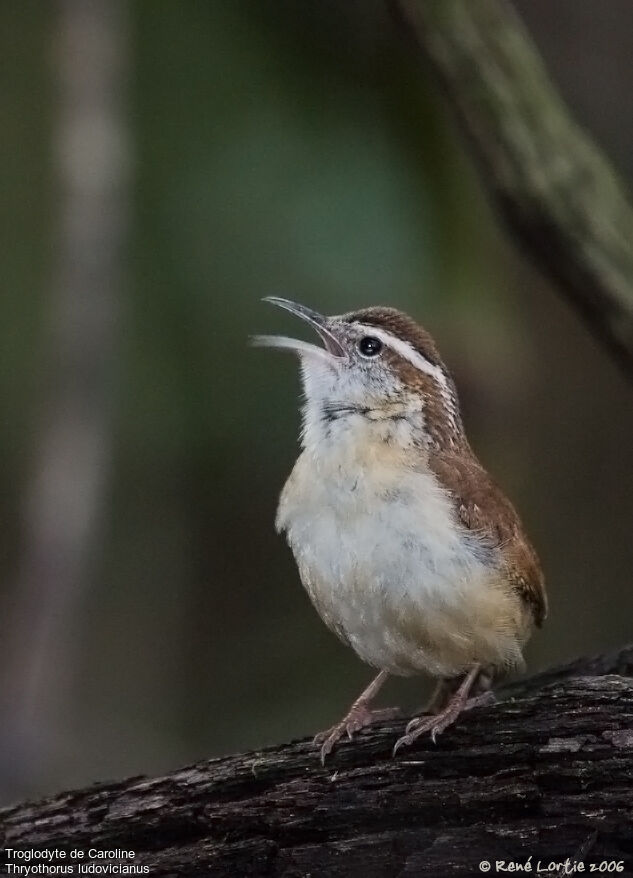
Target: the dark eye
(369, 346)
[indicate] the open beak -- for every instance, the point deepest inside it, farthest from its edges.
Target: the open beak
(332, 348)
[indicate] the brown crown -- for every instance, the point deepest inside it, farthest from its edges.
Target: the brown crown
(400, 325)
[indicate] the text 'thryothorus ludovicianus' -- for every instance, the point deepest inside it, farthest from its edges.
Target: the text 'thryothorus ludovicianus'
(409, 551)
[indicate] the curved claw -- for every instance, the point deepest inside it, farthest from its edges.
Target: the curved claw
(320, 738)
(416, 727)
(358, 718)
(327, 740)
(328, 746)
(404, 741)
(413, 724)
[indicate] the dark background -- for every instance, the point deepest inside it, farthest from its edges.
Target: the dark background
(261, 148)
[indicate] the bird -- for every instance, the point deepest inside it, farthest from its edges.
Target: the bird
(408, 549)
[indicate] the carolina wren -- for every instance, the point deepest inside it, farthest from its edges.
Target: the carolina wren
(407, 548)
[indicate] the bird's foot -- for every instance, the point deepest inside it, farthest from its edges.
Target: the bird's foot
(359, 716)
(437, 723)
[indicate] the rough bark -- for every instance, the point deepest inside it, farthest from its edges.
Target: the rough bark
(547, 773)
(557, 192)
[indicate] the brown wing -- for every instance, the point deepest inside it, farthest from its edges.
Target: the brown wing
(482, 506)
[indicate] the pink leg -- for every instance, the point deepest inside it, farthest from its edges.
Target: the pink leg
(358, 716)
(442, 720)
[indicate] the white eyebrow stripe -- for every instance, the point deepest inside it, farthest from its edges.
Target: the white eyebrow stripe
(408, 352)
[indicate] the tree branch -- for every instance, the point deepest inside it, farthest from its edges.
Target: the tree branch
(547, 773)
(557, 192)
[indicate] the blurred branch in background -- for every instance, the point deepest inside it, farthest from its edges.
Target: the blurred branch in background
(72, 444)
(558, 193)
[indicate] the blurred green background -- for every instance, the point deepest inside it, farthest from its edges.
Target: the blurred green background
(269, 147)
